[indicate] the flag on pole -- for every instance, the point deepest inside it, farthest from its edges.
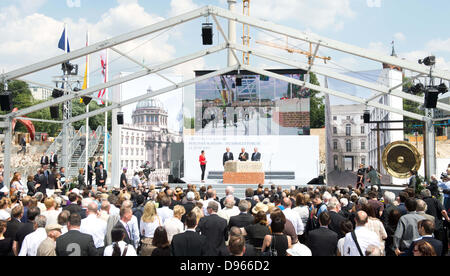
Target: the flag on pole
(103, 61)
(62, 44)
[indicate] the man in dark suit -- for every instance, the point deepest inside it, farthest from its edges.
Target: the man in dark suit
(335, 216)
(426, 230)
(53, 160)
(323, 241)
(126, 214)
(25, 229)
(75, 243)
(243, 156)
(244, 218)
(215, 229)
(249, 193)
(52, 185)
(73, 207)
(90, 172)
(100, 176)
(256, 156)
(98, 163)
(190, 243)
(43, 180)
(188, 206)
(44, 159)
(14, 224)
(227, 156)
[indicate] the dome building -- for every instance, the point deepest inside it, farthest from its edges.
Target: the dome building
(150, 132)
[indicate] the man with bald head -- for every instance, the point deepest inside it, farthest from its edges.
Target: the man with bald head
(227, 156)
(94, 226)
(357, 242)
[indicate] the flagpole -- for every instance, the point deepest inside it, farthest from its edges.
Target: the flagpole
(105, 147)
(88, 57)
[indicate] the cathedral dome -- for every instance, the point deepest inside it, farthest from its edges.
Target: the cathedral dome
(150, 103)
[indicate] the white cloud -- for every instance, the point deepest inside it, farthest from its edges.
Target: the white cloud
(399, 36)
(318, 14)
(33, 38)
(439, 45)
(181, 6)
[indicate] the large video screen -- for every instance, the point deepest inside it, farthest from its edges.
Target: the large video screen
(244, 104)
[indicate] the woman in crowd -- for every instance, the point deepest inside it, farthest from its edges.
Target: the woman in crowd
(149, 222)
(4, 213)
(6, 244)
(16, 184)
(81, 182)
(423, 248)
(257, 231)
(303, 211)
(391, 226)
(31, 185)
(174, 225)
(346, 227)
(277, 241)
(161, 242)
(375, 225)
(119, 247)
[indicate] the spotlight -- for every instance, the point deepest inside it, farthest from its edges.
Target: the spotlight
(69, 68)
(417, 89)
(428, 61)
(57, 93)
(442, 88)
(207, 33)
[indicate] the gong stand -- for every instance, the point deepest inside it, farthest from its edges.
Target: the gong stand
(378, 129)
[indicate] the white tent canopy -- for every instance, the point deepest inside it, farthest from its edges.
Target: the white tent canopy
(232, 47)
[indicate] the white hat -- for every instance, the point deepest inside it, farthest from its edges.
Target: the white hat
(76, 191)
(299, 249)
(190, 196)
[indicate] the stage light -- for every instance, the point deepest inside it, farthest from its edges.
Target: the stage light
(207, 33)
(57, 93)
(69, 68)
(6, 101)
(120, 118)
(442, 88)
(428, 61)
(417, 89)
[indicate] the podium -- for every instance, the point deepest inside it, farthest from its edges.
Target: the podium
(237, 172)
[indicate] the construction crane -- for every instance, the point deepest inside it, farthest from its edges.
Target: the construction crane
(309, 54)
(246, 32)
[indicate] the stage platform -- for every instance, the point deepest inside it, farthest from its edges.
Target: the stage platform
(239, 189)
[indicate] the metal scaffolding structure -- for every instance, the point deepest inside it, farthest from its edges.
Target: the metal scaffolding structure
(233, 63)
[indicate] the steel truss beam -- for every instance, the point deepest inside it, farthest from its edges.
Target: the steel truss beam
(154, 93)
(326, 42)
(338, 76)
(168, 23)
(118, 81)
(333, 92)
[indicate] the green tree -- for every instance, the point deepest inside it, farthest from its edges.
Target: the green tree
(317, 107)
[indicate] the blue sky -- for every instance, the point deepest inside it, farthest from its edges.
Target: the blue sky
(32, 29)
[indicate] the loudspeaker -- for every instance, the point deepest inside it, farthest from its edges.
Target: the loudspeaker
(54, 112)
(57, 93)
(86, 100)
(366, 118)
(120, 118)
(6, 101)
(207, 33)
(238, 81)
(171, 179)
(431, 99)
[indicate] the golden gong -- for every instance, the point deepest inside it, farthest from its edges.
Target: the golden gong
(400, 157)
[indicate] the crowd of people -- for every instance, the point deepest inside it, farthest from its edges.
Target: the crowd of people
(46, 217)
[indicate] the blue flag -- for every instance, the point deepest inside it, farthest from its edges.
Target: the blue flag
(61, 44)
